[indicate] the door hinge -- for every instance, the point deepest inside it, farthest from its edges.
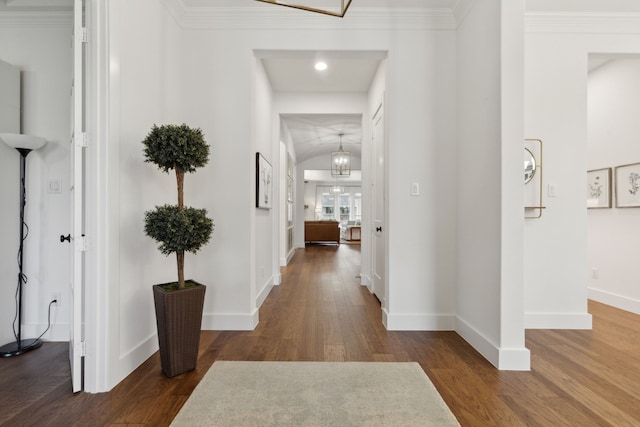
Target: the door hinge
(83, 140)
(83, 36)
(82, 244)
(80, 349)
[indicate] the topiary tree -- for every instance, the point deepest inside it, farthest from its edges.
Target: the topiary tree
(178, 229)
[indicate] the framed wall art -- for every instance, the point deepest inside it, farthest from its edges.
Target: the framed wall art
(628, 186)
(599, 188)
(264, 182)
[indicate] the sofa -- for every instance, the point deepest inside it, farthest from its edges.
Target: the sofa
(321, 231)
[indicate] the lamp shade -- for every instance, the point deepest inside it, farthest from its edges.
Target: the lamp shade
(20, 141)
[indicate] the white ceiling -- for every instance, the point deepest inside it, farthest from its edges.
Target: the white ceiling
(319, 134)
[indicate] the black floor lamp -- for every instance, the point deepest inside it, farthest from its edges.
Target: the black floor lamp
(24, 144)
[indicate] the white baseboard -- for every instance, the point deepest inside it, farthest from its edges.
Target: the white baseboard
(262, 295)
(557, 321)
(514, 359)
(614, 300)
(132, 359)
(419, 322)
(511, 359)
(230, 321)
(366, 281)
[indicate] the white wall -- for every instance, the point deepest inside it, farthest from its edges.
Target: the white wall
(9, 98)
(489, 294)
(145, 89)
(421, 147)
(613, 129)
(556, 59)
(41, 50)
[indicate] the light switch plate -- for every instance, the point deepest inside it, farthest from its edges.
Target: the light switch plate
(54, 186)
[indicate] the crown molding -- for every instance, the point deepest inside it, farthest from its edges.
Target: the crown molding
(266, 17)
(586, 22)
(52, 19)
(461, 9)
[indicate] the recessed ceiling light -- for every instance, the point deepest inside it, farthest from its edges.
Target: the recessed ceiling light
(321, 66)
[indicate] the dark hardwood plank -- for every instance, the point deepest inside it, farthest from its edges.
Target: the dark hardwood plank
(321, 313)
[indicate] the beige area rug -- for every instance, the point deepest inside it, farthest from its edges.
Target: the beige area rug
(315, 394)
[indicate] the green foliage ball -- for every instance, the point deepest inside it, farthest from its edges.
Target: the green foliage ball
(178, 230)
(176, 147)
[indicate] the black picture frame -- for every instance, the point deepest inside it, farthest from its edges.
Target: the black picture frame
(264, 182)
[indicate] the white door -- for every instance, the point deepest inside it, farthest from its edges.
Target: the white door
(379, 202)
(76, 346)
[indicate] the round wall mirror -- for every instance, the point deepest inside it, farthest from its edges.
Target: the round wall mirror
(529, 165)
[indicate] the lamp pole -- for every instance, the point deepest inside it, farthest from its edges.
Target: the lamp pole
(21, 346)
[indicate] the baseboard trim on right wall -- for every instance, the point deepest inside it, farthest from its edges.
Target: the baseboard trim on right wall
(557, 321)
(614, 300)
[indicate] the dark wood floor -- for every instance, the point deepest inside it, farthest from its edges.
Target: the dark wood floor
(320, 313)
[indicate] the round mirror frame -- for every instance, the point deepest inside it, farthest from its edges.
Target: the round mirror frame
(529, 165)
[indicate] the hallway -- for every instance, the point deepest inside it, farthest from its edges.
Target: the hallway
(321, 313)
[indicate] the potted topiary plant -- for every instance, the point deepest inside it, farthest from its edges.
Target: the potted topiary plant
(179, 229)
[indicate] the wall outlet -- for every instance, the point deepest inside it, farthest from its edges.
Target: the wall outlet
(595, 274)
(57, 296)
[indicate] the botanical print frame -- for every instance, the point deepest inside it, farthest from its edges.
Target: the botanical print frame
(264, 182)
(599, 188)
(628, 186)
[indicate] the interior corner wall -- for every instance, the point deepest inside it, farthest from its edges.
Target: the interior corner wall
(555, 269)
(613, 234)
(145, 88)
(479, 179)
(41, 51)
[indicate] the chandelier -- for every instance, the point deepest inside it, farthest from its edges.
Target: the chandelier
(337, 189)
(340, 162)
(336, 7)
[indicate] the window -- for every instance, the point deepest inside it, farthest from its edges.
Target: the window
(346, 206)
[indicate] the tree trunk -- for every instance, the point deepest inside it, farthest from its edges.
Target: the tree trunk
(180, 254)
(180, 260)
(180, 179)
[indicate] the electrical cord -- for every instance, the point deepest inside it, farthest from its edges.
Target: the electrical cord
(22, 280)
(45, 331)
